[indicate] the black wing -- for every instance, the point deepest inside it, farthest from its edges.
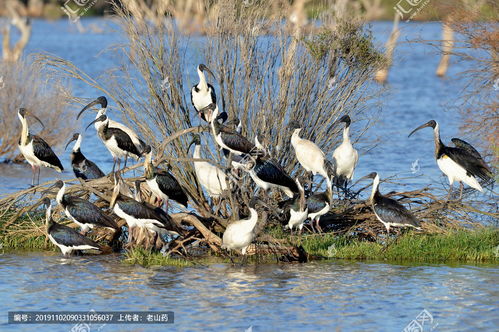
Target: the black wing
(69, 237)
(464, 158)
(459, 143)
(171, 187)
(236, 141)
(44, 152)
(124, 141)
(271, 171)
(87, 213)
(212, 93)
(83, 168)
(391, 211)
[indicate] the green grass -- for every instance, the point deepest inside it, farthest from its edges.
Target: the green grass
(480, 245)
(23, 233)
(148, 258)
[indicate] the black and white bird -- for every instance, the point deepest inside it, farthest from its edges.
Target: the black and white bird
(118, 142)
(460, 163)
(268, 173)
(228, 138)
(318, 205)
(212, 178)
(162, 183)
(83, 168)
(35, 150)
(203, 94)
(309, 155)
(115, 127)
(240, 233)
(345, 157)
(141, 214)
(387, 210)
(83, 213)
(295, 209)
(66, 238)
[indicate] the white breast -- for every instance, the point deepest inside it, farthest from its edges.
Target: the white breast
(201, 99)
(211, 178)
(153, 185)
(455, 172)
(346, 158)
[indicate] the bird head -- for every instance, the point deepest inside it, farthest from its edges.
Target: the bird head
(73, 138)
(202, 68)
(369, 176)
(293, 125)
(431, 123)
(346, 119)
(196, 140)
(22, 113)
(48, 211)
(57, 185)
(102, 101)
(103, 118)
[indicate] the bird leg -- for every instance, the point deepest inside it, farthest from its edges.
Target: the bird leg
(114, 164)
(318, 226)
(450, 193)
(126, 159)
(461, 186)
(38, 178)
(33, 172)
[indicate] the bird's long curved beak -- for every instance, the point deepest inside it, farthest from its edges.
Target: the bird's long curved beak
(428, 124)
(190, 144)
(95, 102)
(47, 191)
(71, 140)
(91, 123)
(37, 119)
(211, 73)
(368, 176)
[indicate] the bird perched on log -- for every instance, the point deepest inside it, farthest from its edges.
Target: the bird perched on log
(309, 155)
(461, 163)
(83, 168)
(118, 130)
(345, 157)
(35, 150)
(295, 209)
(66, 238)
(203, 94)
(82, 212)
(387, 210)
(240, 233)
(118, 142)
(162, 183)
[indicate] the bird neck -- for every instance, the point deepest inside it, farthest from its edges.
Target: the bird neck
(438, 141)
(346, 135)
(101, 112)
(295, 138)
(76, 147)
(251, 222)
(24, 130)
(197, 151)
(301, 198)
(48, 218)
(215, 126)
(60, 194)
(202, 81)
(375, 187)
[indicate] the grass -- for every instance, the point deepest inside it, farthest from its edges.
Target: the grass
(479, 245)
(147, 258)
(24, 234)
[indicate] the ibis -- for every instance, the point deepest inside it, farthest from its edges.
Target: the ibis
(345, 157)
(296, 209)
(66, 238)
(268, 173)
(118, 142)
(226, 137)
(212, 178)
(240, 233)
(162, 183)
(309, 155)
(83, 168)
(83, 213)
(35, 150)
(136, 141)
(460, 163)
(141, 214)
(203, 94)
(387, 210)
(318, 205)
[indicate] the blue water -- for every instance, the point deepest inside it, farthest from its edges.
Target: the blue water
(328, 296)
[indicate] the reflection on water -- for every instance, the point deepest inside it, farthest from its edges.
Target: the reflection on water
(342, 296)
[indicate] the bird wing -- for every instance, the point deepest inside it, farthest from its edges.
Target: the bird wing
(93, 171)
(459, 143)
(391, 211)
(271, 171)
(470, 163)
(316, 202)
(85, 212)
(171, 187)
(44, 152)
(235, 141)
(212, 93)
(124, 141)
(69, 237)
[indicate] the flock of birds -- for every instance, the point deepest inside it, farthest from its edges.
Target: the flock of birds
(461, 163)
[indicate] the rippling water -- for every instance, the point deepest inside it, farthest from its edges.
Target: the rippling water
(330, 296)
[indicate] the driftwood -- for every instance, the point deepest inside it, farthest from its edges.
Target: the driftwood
(14, 10)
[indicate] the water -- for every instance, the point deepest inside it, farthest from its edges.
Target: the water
(334, 296)
(326, 296)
